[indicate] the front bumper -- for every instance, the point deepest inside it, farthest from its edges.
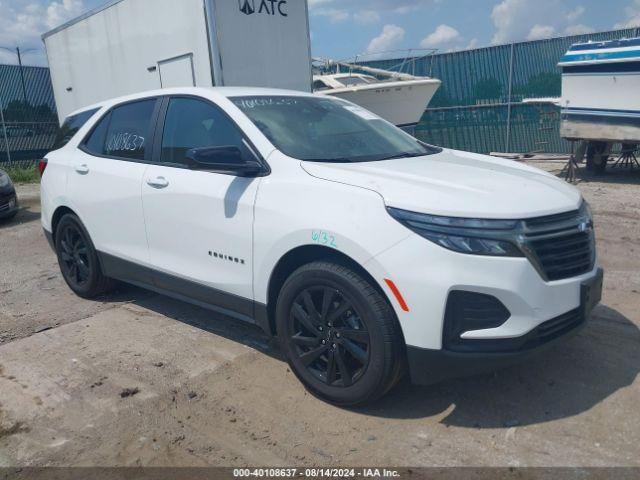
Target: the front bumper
(428, 366)
(8, 205)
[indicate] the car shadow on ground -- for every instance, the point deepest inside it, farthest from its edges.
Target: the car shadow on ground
(24, 215)
(561, 382)
(564, 381)
(202, 318)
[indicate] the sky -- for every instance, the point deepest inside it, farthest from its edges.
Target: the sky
(341, 29)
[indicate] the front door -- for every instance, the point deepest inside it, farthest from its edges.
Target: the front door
(199, 223)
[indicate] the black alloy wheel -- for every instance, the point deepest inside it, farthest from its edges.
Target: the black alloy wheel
(78, 259)
(339, 333)
(331, 339)
(74, 255)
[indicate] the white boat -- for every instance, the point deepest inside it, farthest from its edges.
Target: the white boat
(401, 99)
(601, 91)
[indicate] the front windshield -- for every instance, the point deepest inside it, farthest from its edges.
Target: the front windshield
(324, 129)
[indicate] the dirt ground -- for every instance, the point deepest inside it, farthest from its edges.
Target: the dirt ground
(140, 379)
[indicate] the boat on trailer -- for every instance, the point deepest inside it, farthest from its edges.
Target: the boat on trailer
(399, 98)
(601, 91)
(601, 100)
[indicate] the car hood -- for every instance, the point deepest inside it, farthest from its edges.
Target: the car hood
(457, 184)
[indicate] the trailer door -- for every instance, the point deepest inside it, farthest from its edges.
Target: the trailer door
(177, 72)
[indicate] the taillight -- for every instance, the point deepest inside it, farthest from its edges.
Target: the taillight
(42, 165)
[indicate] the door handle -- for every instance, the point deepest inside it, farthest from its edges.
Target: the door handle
(82, 169)
(158, 182)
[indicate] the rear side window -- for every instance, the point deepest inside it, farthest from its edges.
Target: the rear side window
(124, 132)
(71, 126)
(95, 143)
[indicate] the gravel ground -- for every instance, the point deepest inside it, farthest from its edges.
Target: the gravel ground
(139, 379)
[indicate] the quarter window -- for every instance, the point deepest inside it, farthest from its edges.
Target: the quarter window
(192, 123)
(71, 126)
(125, 132)
(95, 143)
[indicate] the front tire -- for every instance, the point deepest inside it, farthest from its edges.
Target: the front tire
(339, 334)
(78, 259)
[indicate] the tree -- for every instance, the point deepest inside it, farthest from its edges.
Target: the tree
(488, 89)
(546, 84)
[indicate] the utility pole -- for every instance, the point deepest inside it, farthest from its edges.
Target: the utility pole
(24, 85)
(508, 139)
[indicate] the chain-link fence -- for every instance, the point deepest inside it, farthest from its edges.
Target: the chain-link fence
(28, 120)
(479, 106)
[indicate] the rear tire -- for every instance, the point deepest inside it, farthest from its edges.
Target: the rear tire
(78, 259)
(339, 334)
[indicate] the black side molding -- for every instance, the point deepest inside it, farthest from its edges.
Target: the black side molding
(186, 290)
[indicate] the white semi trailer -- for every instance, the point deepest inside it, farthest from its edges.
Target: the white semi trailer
(129, 46)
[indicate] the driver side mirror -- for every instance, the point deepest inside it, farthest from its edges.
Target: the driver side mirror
(226, 159)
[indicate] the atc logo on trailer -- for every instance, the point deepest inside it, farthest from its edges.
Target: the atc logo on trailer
(248, 7)
(270, 7)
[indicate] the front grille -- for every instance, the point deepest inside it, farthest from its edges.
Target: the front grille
(544, 222)
(4, 202)
(560, 246)
(558, 326)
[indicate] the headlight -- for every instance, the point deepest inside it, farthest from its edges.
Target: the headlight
(5, 181)
(464, 235)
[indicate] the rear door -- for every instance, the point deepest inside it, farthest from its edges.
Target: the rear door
(200, 223)
(105, 180)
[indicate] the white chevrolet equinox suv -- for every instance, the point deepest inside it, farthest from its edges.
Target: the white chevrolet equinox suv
(367, 252)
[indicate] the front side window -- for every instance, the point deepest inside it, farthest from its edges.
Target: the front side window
(328, 130)
(124, 132)
(192, 123)
(71, 126)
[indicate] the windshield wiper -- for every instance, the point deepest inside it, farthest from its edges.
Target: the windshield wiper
(368, 158)
(331, 160)
(402, 155)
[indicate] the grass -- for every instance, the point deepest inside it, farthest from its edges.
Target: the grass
(23, 174)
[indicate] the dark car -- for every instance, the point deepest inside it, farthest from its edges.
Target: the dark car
(8, 198)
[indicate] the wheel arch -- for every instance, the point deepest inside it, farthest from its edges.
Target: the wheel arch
(60, 212)
(303, 255)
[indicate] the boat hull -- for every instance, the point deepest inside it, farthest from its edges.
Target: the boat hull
(601, 106)
(401, 103)
(606, 129)
(600, 85)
